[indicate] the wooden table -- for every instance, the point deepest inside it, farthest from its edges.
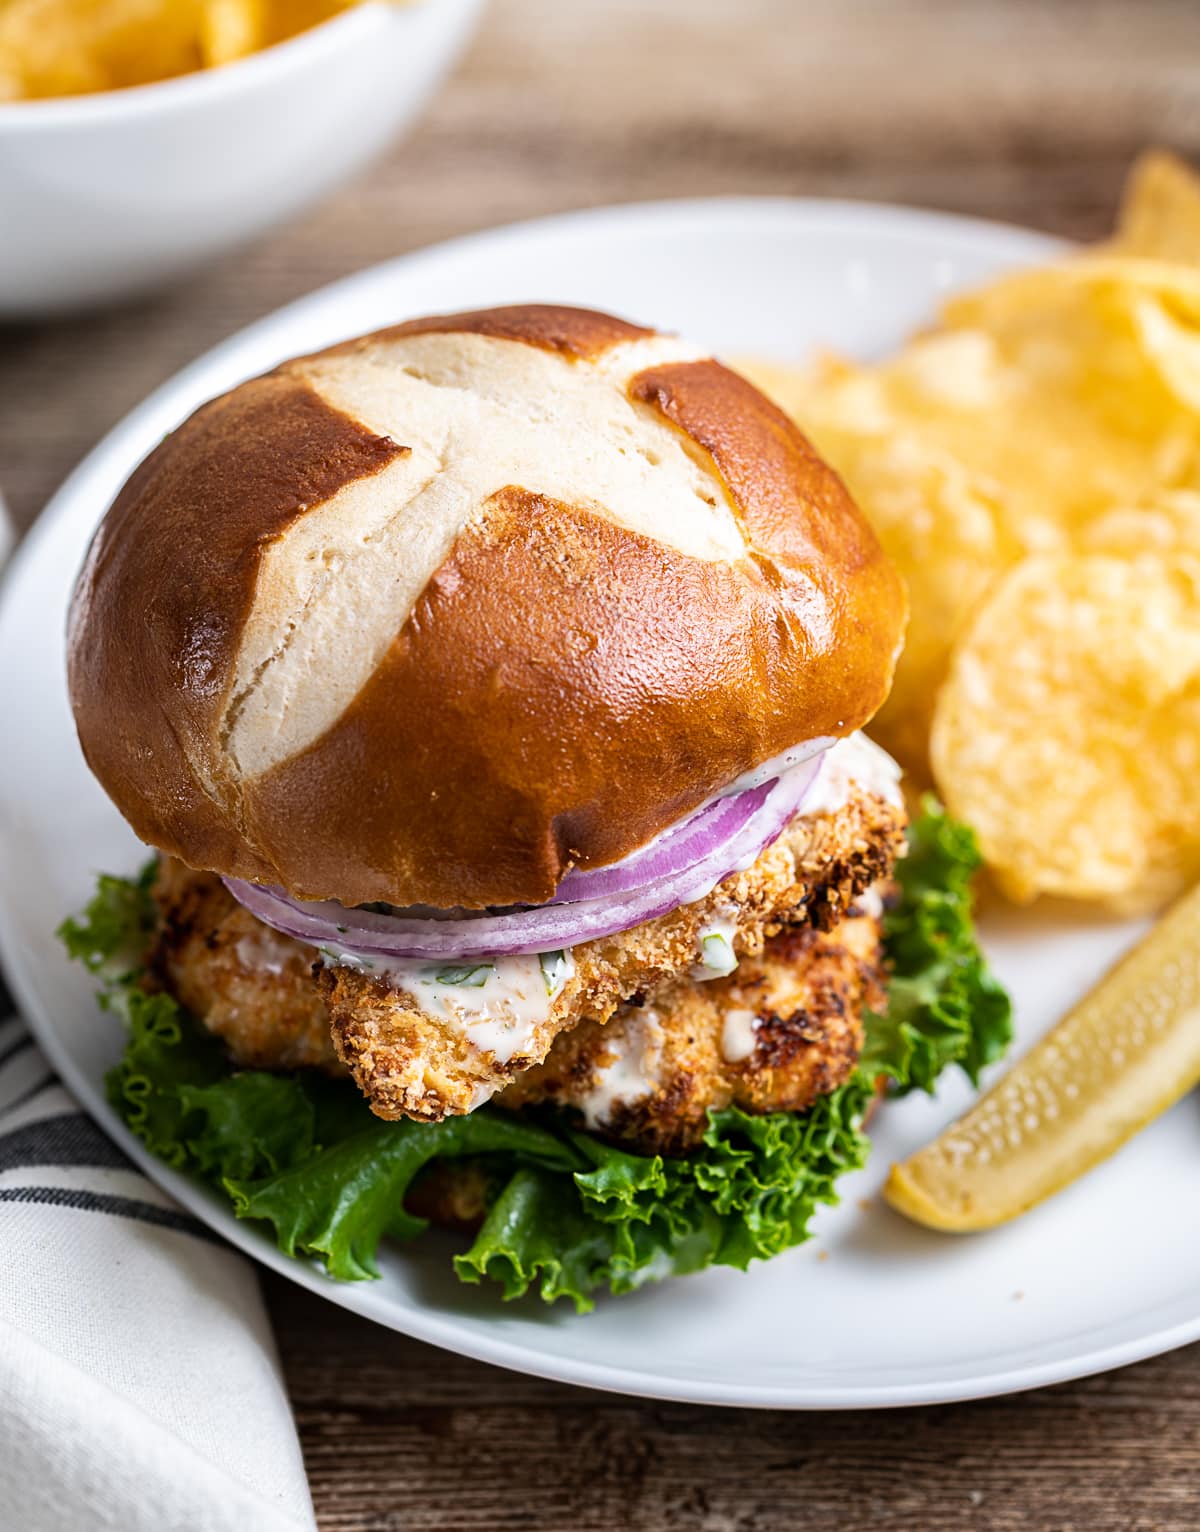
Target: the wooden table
(1017, 110)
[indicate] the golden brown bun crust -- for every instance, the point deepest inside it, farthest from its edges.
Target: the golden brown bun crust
(564, 686)
(160, 602)
(578, 333)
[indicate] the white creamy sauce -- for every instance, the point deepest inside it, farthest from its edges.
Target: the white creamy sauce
(854, 760)
(633, 1072)
(497, 1004)
(715, 956)
(265, 951)
(779, 764)
(869, 902)
(738, 1035)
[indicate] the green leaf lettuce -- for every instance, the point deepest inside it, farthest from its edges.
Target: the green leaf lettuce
(568, 1215)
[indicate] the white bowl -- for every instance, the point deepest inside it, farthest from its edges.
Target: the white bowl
(103, 196)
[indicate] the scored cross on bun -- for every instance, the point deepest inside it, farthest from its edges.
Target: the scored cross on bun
(492, 687)
(437, 615)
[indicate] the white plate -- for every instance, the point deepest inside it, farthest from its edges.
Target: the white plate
(873, 1311)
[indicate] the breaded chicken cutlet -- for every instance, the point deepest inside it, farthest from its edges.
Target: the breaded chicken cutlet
(786, 1029)
(251, 987)
(783, 1029)
(409, 1063)
(261, 992)
(503, 677)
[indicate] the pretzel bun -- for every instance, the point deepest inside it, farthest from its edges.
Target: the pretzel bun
(437, 614)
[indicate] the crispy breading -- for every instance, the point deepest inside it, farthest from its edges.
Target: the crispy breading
(409, 1063)
(806, 992)
(783, 1029)
(250, 986)
(646, 1079)
(263, 995)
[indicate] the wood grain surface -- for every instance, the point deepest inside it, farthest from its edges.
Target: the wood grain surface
(1023, 111)
(400, 1436)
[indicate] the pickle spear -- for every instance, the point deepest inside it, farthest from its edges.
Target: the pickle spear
(1123, 1055)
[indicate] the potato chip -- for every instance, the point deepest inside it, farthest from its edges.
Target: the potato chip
(1050, 398)
(1172, 341)
(282, 19)
(68, 47)
(1169, 523)
(1160, 210)
(1068, 731)
(798, 390)
(231, 29)
(939, 524)
(1100, 409)
(967, 455)
(1033, 467)
(1148, 312)
(943, 532)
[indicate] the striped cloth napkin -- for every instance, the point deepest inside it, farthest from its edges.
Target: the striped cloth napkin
(140, 1388)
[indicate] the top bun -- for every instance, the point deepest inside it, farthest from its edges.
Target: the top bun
(435, 615)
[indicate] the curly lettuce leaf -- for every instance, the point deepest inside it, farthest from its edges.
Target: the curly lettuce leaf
(338, 1200)
(569, 1215)
(746, 1195)
(166, 1055)
(944, 1005)
(111, 936)
(538, 1236)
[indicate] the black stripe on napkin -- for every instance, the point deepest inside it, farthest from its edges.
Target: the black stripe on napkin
(16, 1058)
(22, 1042)
(27, 1094)
(67, 1139)
(107, 1202)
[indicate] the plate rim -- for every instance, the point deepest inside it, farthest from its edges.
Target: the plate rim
(421, 1322)
(962, 229)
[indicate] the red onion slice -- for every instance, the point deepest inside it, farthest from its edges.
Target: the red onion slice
(682, 845)
(545, 927)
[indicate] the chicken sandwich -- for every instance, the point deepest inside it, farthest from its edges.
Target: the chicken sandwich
(490, 689)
